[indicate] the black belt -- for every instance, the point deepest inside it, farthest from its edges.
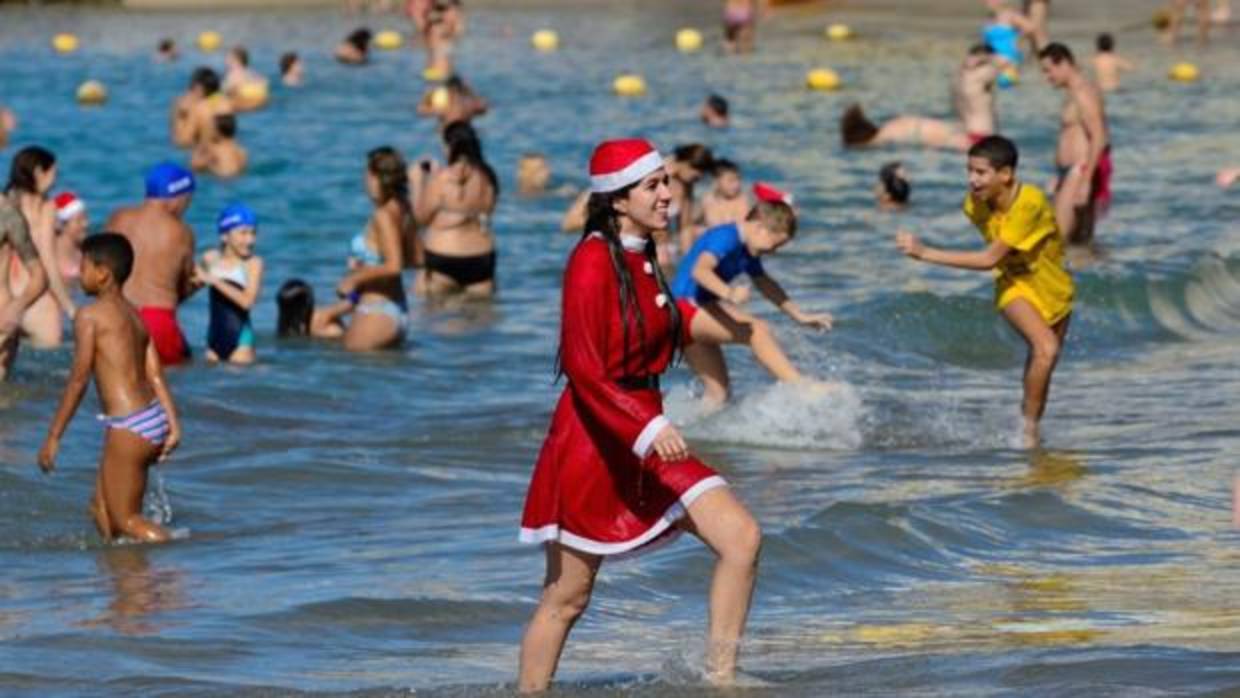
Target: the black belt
(638, 382)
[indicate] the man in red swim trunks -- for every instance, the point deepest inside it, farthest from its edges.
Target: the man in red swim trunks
(1083, 155)
(163, 248)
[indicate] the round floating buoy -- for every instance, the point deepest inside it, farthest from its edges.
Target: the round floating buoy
(545, 40)
(839, 32)
(65, 43)
(629, 86)
(1184, 72)
(209, 41)
(822, 79)
(688, 40)
(92, 92)
(389, 40)
(440, 98)
(253, 94)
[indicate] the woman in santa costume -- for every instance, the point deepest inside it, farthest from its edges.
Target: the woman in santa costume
(614, 476)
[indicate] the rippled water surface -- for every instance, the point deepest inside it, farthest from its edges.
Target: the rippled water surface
(353, 519)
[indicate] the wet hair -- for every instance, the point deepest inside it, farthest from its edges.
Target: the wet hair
(206, 78)
(777, 216)
(242, 55)
(388, 166)
(22, 170)
(287, 60)
(981, 50)
(463, 144)
(226, 124)
(602, 218)
(167, 45)
(110, 250)
(360, 38)
(998, 151)
(725, 165)
(855, 127)
(718, 104)
(695, 155)
(1057, 53)
(295, 308)
(1105, 43)
(897, 187)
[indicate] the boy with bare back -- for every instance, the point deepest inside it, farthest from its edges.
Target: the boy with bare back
(140, 420)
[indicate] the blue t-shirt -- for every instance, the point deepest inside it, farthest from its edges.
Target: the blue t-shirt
(724, 243)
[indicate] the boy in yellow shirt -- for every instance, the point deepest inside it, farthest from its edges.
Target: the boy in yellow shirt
(1024, 250)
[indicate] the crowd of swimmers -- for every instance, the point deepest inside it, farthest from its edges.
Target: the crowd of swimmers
(435, 218)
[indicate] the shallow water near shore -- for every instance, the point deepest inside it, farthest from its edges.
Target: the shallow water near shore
(352, 519)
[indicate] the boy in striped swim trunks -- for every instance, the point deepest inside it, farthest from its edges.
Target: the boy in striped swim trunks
(140, 420)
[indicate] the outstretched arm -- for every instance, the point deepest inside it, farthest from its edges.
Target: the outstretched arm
(779, 298)
(979, 260)
(155, 374)
(705, 276)
(75, 388)
(44, 235)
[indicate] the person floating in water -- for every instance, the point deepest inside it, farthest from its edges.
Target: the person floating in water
(710, 305)
(714, 112)
(893, 189)
(221, 154)
(292, 69)
(140, 420)
(1083, 154)
(1108, 64)
(234, 275)
(355, 48)
(614, 475)
(1033, 289)
(857, 131)
(297, 315)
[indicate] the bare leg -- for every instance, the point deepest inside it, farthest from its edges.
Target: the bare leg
(723, 323)
(566, 593)
(724, 524)
(1044, 344)
(1066, 208)
(242, 356)
(708, 363)
(122, 483)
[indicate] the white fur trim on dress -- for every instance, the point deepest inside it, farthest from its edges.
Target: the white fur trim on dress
(613, 181)
(674, 513)
(645, 440)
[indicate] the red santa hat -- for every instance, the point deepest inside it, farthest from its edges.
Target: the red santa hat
(765, 192)
(68, 205)
(617, 164)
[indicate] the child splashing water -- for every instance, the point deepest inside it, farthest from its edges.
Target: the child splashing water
(140, 420)
(235, 275)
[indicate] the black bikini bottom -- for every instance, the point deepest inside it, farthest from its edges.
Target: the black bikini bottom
(465, 271)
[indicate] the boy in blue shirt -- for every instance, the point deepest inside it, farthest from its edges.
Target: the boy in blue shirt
(709, 304)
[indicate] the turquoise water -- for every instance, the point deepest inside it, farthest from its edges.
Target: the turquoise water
(353, 518)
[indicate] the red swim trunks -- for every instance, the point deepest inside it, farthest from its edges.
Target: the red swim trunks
(1101, 185)
(161, 324)
(975, 138)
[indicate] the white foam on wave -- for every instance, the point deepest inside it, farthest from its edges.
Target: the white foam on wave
(807, 415)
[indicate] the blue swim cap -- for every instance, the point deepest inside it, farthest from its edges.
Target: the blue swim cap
(235, 216)
(168, 180)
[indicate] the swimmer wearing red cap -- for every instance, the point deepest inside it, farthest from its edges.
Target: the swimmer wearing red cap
(614, 475)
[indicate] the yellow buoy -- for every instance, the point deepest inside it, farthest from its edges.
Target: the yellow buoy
(822, 79)
(545, 40)
(688, 40)
(209, 41)
(389, 40)
(1184, 72)
(629, 86)
(64, 43)
(440, 98)
(433, 74)
(253, 94)
(839, 32)
(92, 92)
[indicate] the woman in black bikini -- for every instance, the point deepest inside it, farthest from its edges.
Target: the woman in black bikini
(455, 203)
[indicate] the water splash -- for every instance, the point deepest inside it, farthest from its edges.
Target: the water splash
(807, 415)
(158, 507)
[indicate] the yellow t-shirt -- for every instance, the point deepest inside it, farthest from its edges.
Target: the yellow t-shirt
(1034, 269)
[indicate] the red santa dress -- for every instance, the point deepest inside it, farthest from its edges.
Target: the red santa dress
(598, 485)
